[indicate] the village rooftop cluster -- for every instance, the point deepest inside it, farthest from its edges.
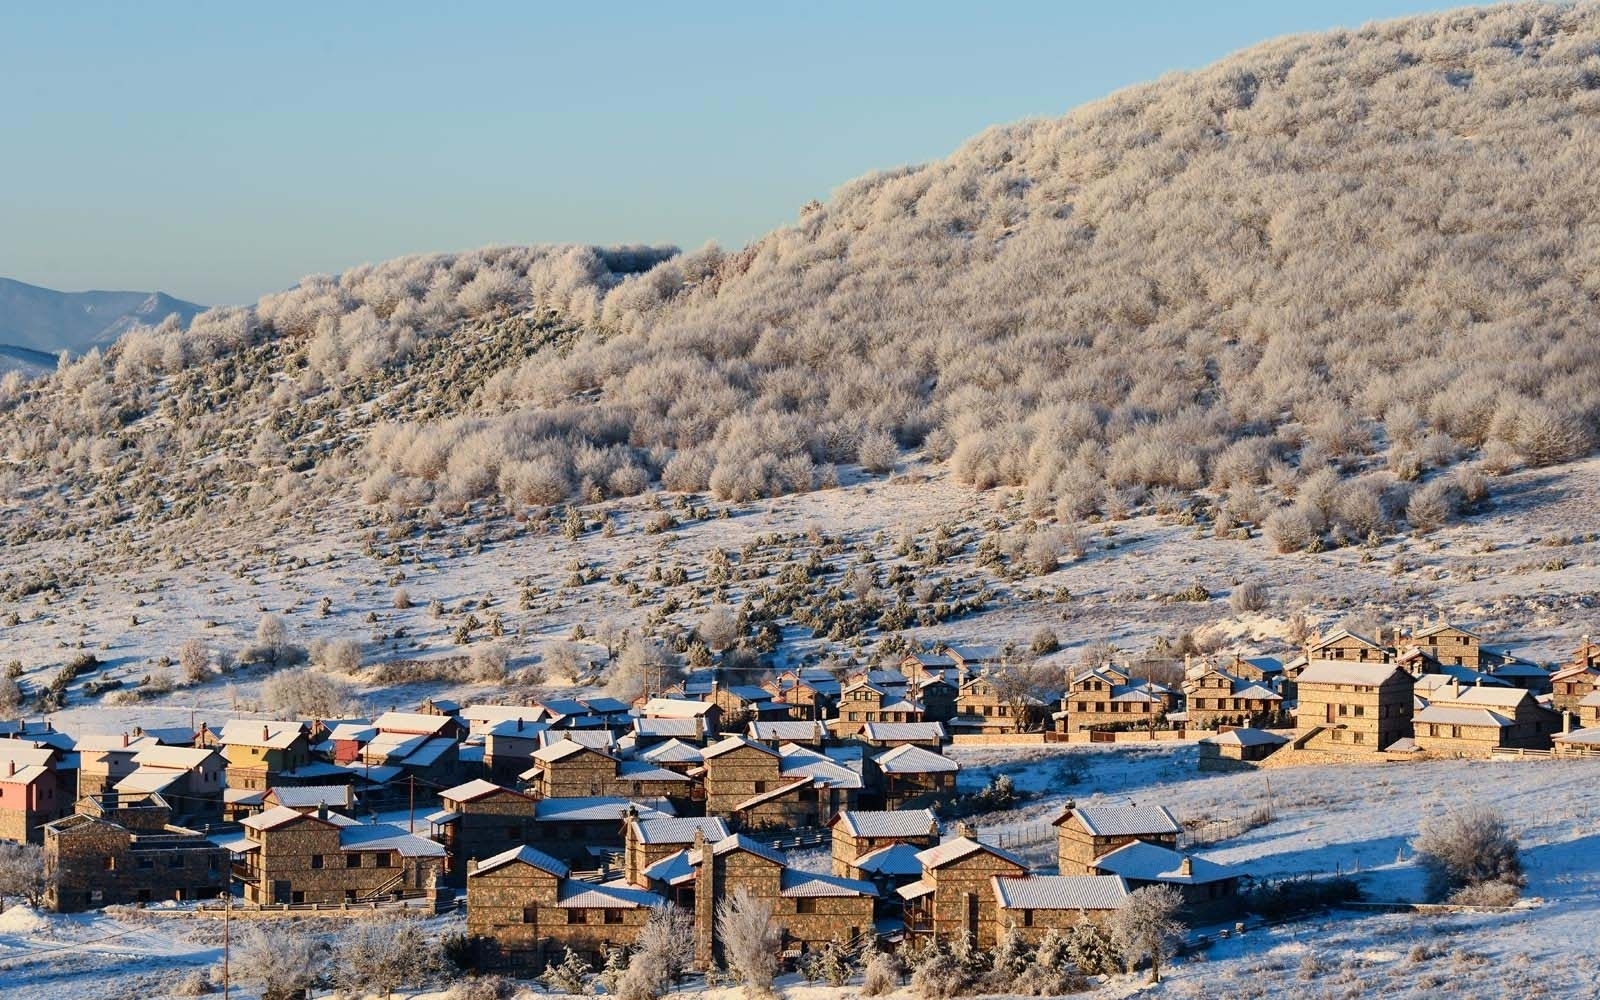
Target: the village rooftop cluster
(562, 825)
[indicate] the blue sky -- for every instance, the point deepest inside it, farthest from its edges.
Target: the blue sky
(220, 151)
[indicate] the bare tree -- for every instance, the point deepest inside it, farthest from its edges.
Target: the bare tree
(647, 664)
(663, 953)
(1147, 926)
(719, 628)
(1466, 847)
(565, 661)
(379, 956)
(23, 873)
(284, 965)
(343, 655)
(272, 635)
(306, 694)
(1025, 684)
(488, 662)
(194, 661)
(749, 941)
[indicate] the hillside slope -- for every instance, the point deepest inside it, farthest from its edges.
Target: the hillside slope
(48, 321)
(1309, 281)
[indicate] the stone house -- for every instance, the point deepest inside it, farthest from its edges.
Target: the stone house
(258, 752)
(810, 910)
(310, 798)
(31, 792)
(524, 910)
(1035, 905)
(736, 769)
(861, 701)
(430, 724)
(1238, 749)
(1345, 645)
(568, 769)
(955, 896)
(981, 707)
(648, 840)
(910, 777)
(810, 693)
(128, 855)
(653, 732)
(1353, 706)
(864, 844)
(1108, 698)
(1086, 833)
(709, 713)
(1210, 890)
(1476, 721)
(480, 819)
(1213, 698)
(323, 857)
(1577, 678)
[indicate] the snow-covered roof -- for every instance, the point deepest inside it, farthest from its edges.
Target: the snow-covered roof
(596, 808)
(676, 708)
(891, 859)
(643, 770)
(358, 731)
(773, 794)
(1060, 892)
(741, 842)
(895, 732)
(416, 723)
(1246, 738)
(1122, 821)
(594, 739)
(886, 823)
(1348, 672)
(731, 743)
(147, 779)
(1580, 737)
(310, 796)
(673, 752)
(798, 884)
(674, 869)
(908, 759)
(1454, 715)
(388, 837)
(670, 728)
(473, 790)
(1145, 862)
(525, 855)
(961, 847)
(277, 816)
(562, 749)
(574, 895)
(177, 758)
(679, 829)
(798, 760)
(519, 727)
(785, 730)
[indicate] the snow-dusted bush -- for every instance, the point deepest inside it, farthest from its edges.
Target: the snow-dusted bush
(1470, 846)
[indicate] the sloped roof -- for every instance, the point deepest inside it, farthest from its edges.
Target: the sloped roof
(731, 743)
(596, 808)
(673, 752)
(1144, 862)
(676, 708)
(1060, 892)
(886, 823)
(1439, 627)
(1581, 737)
(412, 722)
(562, 749)
(1349, 672)
(680, 829)
(388, 837)
(798, 884)
(270, 819)
(306, 796)
(674, 728)
(474, 790)
(783, 729)
(908, 759)
(359, 731)
(525, 855)
(575, 895)
(798, 760)
(178, 758)
(674, 869)
(1246, 738)
(891, 859)
(643, 770)
(741, 842)
(961, 847)
(146, 780)
(774, 794)
(519, 727)
(891, 732)
(1122, 821)
(1453, 715)
(594, 739)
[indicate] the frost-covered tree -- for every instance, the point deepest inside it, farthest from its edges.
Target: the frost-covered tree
(750, 941)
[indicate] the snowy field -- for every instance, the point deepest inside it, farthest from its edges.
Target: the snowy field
(1356, 820)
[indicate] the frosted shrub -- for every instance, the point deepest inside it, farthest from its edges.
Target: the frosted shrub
(1434, 505)
(1249, 596)
(877, 451)
(1470, 846)
(1293, 529)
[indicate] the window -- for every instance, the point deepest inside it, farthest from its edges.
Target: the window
(352, 860)
(382, 861)
(613, 916)
(147, 862)
(316, 861)
(110, 864)
(1360, 710)
(1358, 738)
(761, 786)
(1344, 709)
(1027, 918)
(805, 904)
(530, 914)
(577, 916)
(349, 895)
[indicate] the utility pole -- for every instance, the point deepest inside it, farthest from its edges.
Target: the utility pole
(227, 929)
(411, 821)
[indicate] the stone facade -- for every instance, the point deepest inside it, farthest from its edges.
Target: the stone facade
(1353, 706)
(1086, 833)
(96, 863)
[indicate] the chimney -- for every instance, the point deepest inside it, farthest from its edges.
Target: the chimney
(472, 865)
(933, 829)
(1186, 868)
(124, 738)
(11, 767)
(322, 809)
(967, 830)
(266, 733)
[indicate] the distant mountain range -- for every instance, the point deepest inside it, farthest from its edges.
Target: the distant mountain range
(36, 324)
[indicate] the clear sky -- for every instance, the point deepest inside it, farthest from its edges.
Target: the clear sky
(217, 151)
